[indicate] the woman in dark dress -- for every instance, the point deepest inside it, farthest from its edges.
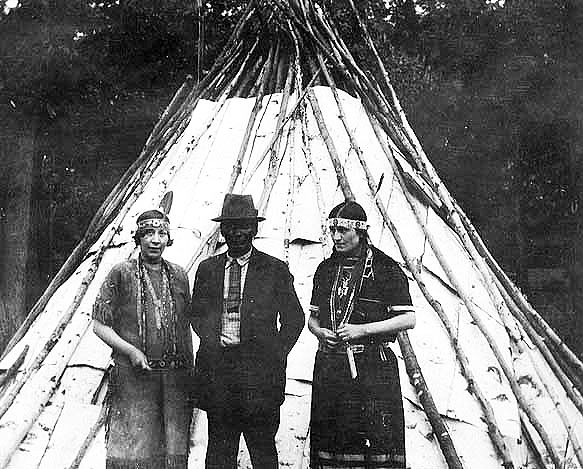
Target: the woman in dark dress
(360, 301)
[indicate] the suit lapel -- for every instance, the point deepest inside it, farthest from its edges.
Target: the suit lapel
(253, 277)
(219, 279)
(220, 274)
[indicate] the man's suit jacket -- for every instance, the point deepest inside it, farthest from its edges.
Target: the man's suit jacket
(269, 300)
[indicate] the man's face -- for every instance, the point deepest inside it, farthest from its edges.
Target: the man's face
(345, 239)
(239, 235)
(153, 243)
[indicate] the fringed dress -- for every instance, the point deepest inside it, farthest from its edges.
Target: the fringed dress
(358, 423)
(149, 412)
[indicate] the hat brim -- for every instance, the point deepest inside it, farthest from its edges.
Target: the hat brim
(237, 218)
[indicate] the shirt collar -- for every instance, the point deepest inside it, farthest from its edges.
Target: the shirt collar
(241, 260)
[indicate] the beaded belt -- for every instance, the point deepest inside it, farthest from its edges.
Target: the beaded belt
(357, 348)
(169, 362)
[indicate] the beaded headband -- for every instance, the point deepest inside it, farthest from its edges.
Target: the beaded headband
(153, 223)
(347, 223)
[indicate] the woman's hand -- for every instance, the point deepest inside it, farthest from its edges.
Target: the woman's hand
(327, 337)
(112, 338)
(349, 332)
(138, 359)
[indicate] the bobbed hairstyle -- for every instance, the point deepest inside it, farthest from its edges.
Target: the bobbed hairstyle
(149, 219)
(348, 209)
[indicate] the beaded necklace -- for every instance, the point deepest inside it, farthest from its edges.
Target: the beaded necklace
(346, 287)
(162, 307)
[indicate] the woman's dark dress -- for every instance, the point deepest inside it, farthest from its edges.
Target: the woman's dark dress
(358, 423)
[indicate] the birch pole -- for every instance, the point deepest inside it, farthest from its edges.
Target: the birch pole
(254, 112)
(275, 159)
(12, 370)
(418, 381)
(306, 148)
(424, 164)
(342, 180)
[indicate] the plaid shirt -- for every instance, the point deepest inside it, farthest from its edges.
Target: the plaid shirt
(231, 319)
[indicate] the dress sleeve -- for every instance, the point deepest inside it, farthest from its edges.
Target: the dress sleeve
(182, 277)
(200, 304)
(397, 291)
(107, 298)
(316, 300)
(187, 290)
(291, 314)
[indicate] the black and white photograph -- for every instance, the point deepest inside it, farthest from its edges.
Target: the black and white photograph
(305, 234)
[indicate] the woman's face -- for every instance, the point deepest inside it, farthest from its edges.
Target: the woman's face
(345, 239)
(152, 244)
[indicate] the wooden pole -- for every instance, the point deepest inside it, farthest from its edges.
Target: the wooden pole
(458, 227)
(267, 67)
(13, 369)
(281, 128)
(418, 381)
(275, 159)
(305, 141)
(338, 167)
(89, 438)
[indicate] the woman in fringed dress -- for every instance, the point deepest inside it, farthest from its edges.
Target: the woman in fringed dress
(360, 301)
(140, 313)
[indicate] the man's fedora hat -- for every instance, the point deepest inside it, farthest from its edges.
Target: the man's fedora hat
(238, 207)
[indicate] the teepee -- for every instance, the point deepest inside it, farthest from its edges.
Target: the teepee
(288, 115)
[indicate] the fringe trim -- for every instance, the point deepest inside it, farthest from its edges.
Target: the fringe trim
(158, 462)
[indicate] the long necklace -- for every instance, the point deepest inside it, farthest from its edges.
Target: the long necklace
(342, 289)
(159, 303)
(164, 306)
(347, 286)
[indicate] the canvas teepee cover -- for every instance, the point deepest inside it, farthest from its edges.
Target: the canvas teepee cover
(288, 115)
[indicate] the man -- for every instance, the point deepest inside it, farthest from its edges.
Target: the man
(239, 298)
(141, 313)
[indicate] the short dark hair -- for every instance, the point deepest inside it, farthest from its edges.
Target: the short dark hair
(348, 209)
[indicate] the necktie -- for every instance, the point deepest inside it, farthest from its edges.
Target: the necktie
(234, 293)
